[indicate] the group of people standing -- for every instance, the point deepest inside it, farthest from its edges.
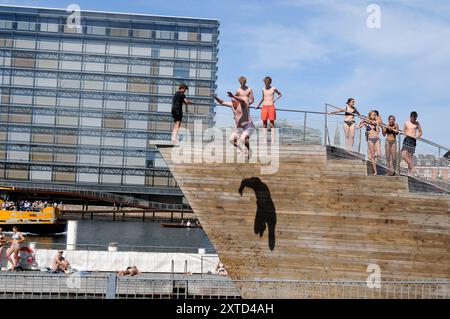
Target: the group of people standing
(240, 103)
(374, 125)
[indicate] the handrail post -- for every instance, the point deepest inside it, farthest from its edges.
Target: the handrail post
(304, 128)
(326, 125)
(399, 155)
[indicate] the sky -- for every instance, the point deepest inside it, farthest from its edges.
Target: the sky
(322, 51)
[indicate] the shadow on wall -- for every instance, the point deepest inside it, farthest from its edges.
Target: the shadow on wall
(265, 209)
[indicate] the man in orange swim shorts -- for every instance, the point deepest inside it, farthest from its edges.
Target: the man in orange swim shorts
(268, 112)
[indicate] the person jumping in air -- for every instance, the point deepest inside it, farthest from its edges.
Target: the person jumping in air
(412, 127)
(390, 131)
(244, 91)
(177, 109)
(268, 110)
(244, 123)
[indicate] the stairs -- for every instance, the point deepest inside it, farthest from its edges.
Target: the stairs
(320, 217)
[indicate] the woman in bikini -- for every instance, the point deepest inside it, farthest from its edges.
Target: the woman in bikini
(16, 239)
(390, 131)
(349, 122)
(373, 139)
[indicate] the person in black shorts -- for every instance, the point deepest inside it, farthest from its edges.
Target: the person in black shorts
(177, 109)
(412, 131)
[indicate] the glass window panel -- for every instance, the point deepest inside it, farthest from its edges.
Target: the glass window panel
(67, 139)
(48, 45)
(41, 157)
(205, 54)
(65, 101)
(138, 33)
(165, 89)
(22, 99)
(65, 177)
(25, 44)
(204, 73)
(69, 84)
(71, 65)
(138, 106)
(116, 105)
(42, 138)
(181, 73)
(18, 156)
(49, 27)
(45, 100)
(134, 180)
(92, 103)
(90, 140)
(116, 86)
(206, 37)
(119, 32)
(166, 70)
(135, 142)
(87, 178)
(6, 24)
(137, 125)
(183, 53)
(164, 107)
(117, 68)
(94, 67)
(66, 158)
(141, 51)
(46, 82)
(94, 47)
(114, 123)
(67, 120)
(192, 36)
(160, 181)
(24, 63)
(91, 121)
(159, 162)
(111, 179)
(112, 160)
(167, 35)
(41, 175)
(140, 69)
(72, 29)
(203, 91)
(71, 46)
(88, 159)
(139, 88)
(166, 52)
(118, 49)
(21, 118)
(17, 174)
(113, 141)
(93, 85)
(135, 161)
(22, 81)
(183, 36)
(94, 30)
(44, 119)
(192, 73)
(47, 64)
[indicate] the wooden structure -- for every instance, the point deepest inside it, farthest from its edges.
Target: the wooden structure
(318, 218)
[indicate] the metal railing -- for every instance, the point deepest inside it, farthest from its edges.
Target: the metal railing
(428, 157)
(153, 286)
(99, 195)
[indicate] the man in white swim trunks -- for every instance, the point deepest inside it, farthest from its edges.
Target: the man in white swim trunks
(244, 123)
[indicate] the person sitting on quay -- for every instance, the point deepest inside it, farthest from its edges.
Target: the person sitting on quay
(60, 264)
(130, 271)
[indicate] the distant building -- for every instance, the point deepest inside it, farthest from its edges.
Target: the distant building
(290, 133)
(80, 104)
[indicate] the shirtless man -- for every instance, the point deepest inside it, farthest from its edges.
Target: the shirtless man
(244, 91)
(412, 127)
(268, 110)
(60, 264)
(244, 123)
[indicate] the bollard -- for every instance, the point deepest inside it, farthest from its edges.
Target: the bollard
(72, 227)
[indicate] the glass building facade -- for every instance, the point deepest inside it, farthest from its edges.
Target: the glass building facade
(80, 105)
